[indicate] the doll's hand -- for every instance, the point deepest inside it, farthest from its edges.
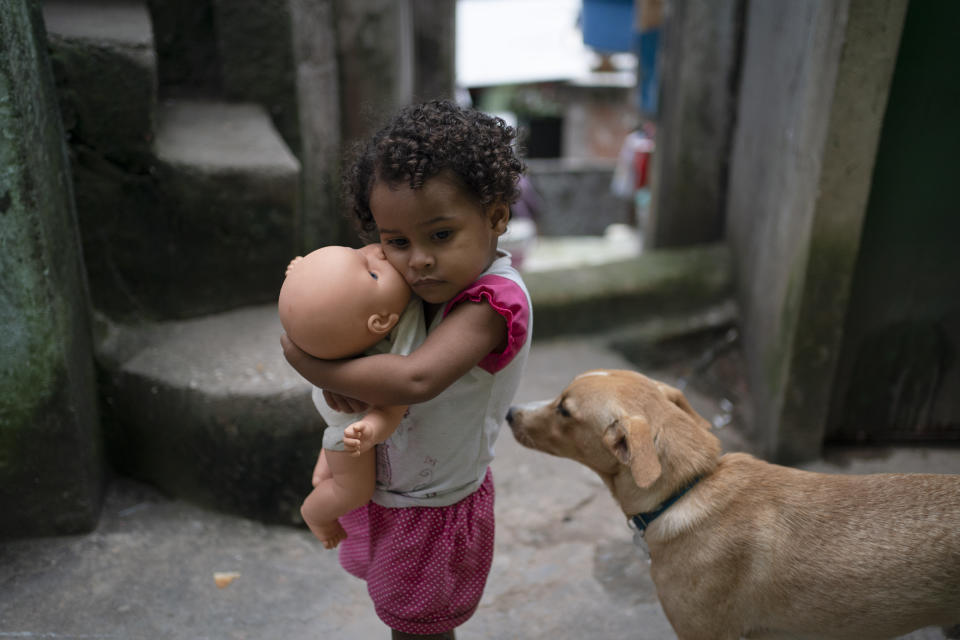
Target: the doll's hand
(344, 404)
(358, 438)
(292, 264)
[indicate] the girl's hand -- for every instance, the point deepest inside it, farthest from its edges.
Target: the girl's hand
(344, 404)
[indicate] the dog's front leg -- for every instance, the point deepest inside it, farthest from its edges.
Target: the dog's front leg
(693, 622)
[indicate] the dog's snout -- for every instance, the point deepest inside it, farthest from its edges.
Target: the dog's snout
(510, 415)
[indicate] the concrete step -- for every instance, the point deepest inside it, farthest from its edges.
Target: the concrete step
(643, 290)
(207, 409)
(106, 74)
(210, 227)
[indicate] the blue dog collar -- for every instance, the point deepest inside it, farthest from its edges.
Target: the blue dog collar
(642, 520)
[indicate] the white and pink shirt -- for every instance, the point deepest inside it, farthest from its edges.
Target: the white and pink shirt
(440, 451)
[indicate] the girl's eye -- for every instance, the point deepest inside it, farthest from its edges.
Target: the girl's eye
(443, 235)
(374, 276)
(397, 243)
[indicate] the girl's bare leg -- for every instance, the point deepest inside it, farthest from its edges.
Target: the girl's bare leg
(349, 486)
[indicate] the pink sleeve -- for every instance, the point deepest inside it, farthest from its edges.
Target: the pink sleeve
(506, 298)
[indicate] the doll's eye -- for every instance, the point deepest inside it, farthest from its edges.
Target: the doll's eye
(374, 276)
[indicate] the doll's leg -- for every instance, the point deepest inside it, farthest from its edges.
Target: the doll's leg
(350, 485)
(321, 471)
(375, 427)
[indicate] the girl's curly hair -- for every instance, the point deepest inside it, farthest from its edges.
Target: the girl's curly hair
(424, 139)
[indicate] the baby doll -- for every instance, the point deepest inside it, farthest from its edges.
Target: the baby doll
(338, 302)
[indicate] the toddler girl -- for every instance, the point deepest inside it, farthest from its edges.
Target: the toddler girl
(436, 185)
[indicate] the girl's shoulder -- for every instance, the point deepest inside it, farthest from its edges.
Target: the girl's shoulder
(501, 287)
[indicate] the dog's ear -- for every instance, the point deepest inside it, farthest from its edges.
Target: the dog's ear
(630, 439)
(676, 396)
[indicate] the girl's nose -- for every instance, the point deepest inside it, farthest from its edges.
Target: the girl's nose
(421, 260)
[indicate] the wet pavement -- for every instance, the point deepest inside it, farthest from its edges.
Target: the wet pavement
(564, 567)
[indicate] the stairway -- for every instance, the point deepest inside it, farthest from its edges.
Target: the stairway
(187, 209)
(188, 212)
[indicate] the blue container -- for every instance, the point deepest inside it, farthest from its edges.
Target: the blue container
(608, 25)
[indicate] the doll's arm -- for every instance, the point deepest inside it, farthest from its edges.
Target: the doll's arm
(470, 332)
(375, 427)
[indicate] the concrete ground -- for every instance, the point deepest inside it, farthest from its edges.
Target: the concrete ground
(565, 565)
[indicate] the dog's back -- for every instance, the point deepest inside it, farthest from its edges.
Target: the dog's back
(841, 556)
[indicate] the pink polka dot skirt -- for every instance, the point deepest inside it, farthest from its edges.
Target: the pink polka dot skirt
(425, 567)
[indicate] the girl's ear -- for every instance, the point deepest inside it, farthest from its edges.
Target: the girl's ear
(499, 215)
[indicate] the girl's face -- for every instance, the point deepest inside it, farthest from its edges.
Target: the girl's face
(439, 237)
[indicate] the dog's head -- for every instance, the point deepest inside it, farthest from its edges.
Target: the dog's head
(633, 431)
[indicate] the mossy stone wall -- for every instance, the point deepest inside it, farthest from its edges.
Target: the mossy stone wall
(50, 452)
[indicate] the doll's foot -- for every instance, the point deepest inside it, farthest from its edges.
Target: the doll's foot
(329, 533)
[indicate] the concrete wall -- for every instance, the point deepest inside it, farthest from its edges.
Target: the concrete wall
(576, 197)
(898, 377)
(434, 44)
(50, 458)
(256, 62)
(699, 73)
(316, 70)
(375, 47)
(814, 85)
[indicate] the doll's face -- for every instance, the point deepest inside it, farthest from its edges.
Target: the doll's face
(339, 301)
(376, 279)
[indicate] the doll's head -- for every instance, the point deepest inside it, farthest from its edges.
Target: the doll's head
(338, 301)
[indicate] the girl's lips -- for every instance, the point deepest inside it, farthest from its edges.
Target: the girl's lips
(426, 282)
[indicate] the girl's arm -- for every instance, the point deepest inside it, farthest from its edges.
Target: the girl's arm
(471, 331)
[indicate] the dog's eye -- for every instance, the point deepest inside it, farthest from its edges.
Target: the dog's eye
(562, 410)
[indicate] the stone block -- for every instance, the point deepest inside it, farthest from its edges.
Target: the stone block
(210, 228)
(208, 410)
(186, 46)
(612, 295)
(255, 47)
(105, 70)
(51, 470)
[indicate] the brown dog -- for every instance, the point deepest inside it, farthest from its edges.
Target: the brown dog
(754, 549)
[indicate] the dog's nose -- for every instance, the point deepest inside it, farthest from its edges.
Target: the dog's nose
(510, 415)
